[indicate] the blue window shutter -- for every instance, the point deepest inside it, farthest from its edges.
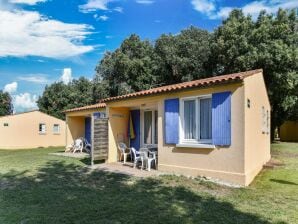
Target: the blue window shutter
(221, 118)
(136, 142)
(171, 126)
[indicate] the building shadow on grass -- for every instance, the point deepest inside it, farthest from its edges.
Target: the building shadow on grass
(283, 182)
(63, 193)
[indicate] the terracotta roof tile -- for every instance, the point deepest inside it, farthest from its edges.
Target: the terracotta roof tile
(94, 106)
(192, 84)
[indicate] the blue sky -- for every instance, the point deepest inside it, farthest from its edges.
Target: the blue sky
(43, 41)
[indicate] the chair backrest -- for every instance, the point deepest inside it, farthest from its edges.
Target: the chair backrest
(78, 142)
(122, 146)
(133, 150)
(144, 153)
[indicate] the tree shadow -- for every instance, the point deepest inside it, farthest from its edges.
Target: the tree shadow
(283, 182)
(68, 193)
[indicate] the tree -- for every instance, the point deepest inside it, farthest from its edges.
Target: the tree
(129, 68)
(271, 43)
(6, 107)
(182, 57)
(58, 96)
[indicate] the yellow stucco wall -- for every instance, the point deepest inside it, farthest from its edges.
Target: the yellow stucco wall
(289, 131)
(257, 141)
(75, 128)
(23, 131)
(118, 127)
(224, 163)
(75, 124)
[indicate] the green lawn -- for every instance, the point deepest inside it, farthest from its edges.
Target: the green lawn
(36, 187)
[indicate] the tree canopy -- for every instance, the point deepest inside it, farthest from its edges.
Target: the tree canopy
(240, 43)
(58, 96)
(6, 107)
(271, 43)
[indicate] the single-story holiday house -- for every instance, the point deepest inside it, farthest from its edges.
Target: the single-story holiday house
(31, 129)
(216, 127)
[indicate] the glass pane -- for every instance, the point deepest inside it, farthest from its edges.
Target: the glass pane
(148, 127)
(189, 119)
(205, 119)
(156, 127)
(56, 128)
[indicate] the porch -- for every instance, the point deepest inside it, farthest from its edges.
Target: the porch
(135, 124)
(127, 169)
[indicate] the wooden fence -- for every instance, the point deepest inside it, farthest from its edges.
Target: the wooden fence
(100, 139)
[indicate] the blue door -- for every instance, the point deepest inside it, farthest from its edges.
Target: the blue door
(135, 116)
(88, 129)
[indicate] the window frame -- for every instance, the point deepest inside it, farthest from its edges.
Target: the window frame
(45, 129)
(197, 140)
(59, 130)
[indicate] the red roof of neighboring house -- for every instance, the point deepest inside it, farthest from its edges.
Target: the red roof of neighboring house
(94, 106)
(192, 84)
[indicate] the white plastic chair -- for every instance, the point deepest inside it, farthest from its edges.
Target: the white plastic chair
(136, 157)
(78, 145)
(148, 159)
(124, 151)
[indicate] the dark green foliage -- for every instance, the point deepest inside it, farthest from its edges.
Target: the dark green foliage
(271, 43)
(137, 65)
(129, 68)
(182, 57)
(58, 97)
(6, 107)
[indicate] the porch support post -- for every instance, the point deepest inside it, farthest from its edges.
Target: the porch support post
(92, 140)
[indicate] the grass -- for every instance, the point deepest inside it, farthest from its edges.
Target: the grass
(36, 187)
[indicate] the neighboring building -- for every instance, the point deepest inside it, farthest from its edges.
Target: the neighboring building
(288, 131)
(31, 130)
(217, 127)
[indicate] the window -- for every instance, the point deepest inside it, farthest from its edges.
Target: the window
(196, 120)
(268, 122)
(265, 121)
(42, 128)
(149, 127)
(56, 129)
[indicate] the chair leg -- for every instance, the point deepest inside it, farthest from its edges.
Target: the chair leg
(135, 164)
(124, 158)
(149, 165)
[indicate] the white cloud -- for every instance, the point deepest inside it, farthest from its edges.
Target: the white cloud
(103, 18)
(25, 101)
(213, 11)
(118, 9)
(93, 5)
(66, 75)
(11, 87)
(203, 6)
(28, 2)
(35, 78)
(145, 2)
(28, 33)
